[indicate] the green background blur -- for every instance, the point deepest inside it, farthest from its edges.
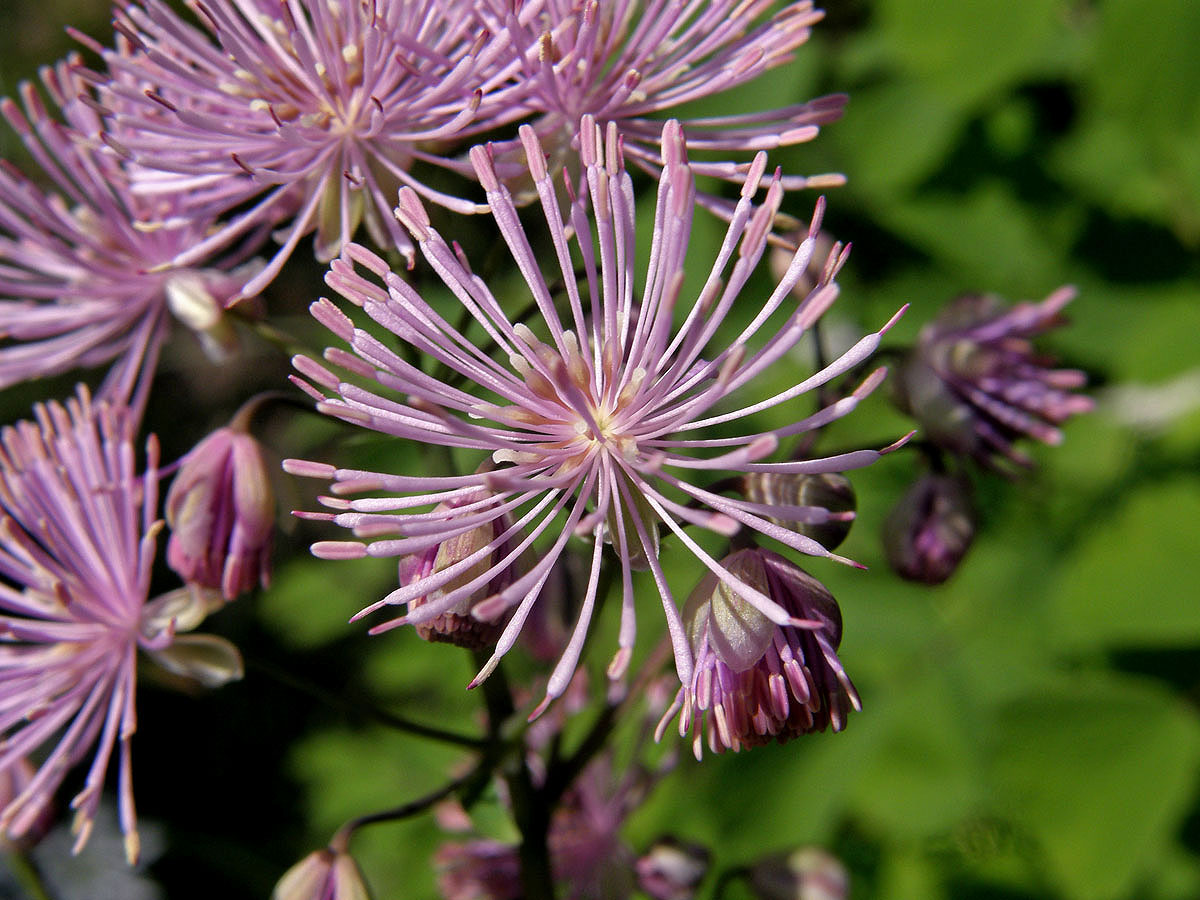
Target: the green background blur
(1030, 729)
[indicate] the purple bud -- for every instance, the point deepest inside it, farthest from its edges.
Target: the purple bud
(455, 624)
(672, 869)
(821, 506)
(927, 534)
(221, 512)
(808, 873)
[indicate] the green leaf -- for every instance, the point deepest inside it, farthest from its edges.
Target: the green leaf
(312, 600)
(1126, 583)
(968, 50)
(1099, 770)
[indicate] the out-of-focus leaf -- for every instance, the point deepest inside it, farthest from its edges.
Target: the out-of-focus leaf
(311, 600)
(1125, 585)
(892, 136)
(968, 50)
(1099, 769)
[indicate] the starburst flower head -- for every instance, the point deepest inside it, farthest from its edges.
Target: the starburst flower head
(311, 111)
(976, 385)
(587, 423)
(85, 273)
(631, 63)
(756, 681)
(77, 539)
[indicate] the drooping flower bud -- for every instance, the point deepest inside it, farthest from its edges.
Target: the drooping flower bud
(221, 512)
(753, 680)
(975, 384)
(456, 625)
(825, 502)
(808, 873)
(672, 869)
(322, 875)
(14, 780)
(928, 532)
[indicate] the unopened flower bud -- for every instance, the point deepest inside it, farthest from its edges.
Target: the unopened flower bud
(322, 875)
(199, 298)
(221, 512)
(928, 532)
(456, 625)
(817, 506)
(672, 869)
(808, 873)
(753, 680)
(34, 823)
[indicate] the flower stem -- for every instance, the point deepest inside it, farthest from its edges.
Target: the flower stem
(360, 707)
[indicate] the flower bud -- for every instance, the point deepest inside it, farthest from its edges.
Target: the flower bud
(672, 869)
(753, 680)
(457, 625)
(33, 823)
(827, 503)
(322, 875)
(221, 512)
(928, 532)
(808, 873)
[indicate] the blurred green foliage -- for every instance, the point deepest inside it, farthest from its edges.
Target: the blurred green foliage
(1030, 729)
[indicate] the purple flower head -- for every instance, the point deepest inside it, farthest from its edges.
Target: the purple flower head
(629, 63)
(975, 383)
(595, 419)
(322, 875)
(305, 110)
(754, 680)
(928, 532)
(85, 274)
(221, 512)
(77, 536)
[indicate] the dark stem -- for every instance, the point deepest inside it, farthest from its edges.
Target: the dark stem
(405, 811)
(363, 708)
(531, 811)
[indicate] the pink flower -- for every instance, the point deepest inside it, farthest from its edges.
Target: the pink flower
(631, 63)
(300, 111)
(590, 421)
(85, 267)
(77, 540)
(976, 385)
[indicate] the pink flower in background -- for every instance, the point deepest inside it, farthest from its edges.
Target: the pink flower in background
(585, 413)
(302, 112)
(632, 63)
(85, 274)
